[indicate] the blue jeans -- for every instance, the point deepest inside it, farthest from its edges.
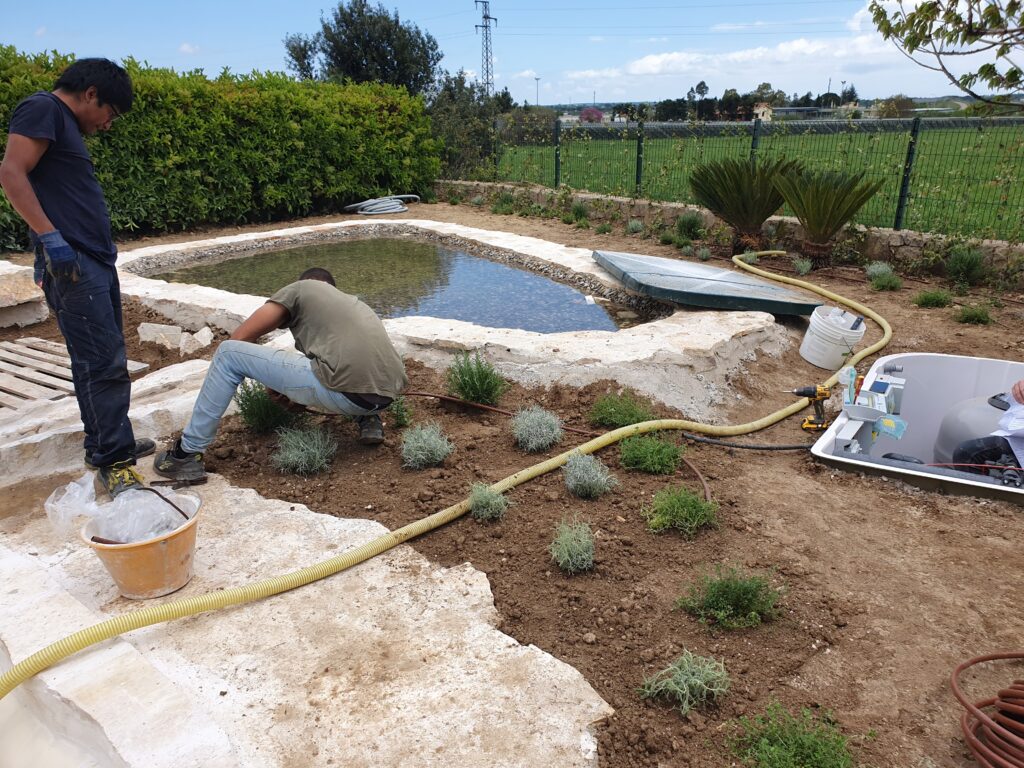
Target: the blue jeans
(282, 370)
(89, 315)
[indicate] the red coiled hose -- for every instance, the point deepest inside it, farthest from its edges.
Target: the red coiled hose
(996, 740)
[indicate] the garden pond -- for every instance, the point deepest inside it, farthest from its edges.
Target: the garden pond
(403, 277)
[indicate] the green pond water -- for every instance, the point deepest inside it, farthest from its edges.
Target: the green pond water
(399, 278)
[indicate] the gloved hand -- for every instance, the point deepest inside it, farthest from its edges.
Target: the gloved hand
(61, 259)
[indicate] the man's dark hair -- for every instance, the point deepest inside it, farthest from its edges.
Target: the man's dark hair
(318, 273)
(113, 86)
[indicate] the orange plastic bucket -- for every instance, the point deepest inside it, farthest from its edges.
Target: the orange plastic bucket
(150, 568)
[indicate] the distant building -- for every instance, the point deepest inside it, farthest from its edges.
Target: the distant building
(763, 111)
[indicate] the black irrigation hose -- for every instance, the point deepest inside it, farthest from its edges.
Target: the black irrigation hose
(748, 446)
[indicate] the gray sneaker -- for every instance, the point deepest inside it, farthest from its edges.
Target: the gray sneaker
(189, 470)
(371, 429)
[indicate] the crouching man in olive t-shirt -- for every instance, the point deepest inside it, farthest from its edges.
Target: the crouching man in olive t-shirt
(347, 365)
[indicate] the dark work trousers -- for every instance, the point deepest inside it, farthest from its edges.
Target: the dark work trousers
(991, 448)
(89, 315)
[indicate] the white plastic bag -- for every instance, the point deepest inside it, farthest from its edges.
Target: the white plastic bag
(135, 515)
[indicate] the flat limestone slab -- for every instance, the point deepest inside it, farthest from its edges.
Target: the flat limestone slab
(700, 285)
(21, 300)
(396, 662)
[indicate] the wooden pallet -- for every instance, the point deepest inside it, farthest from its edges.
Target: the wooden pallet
(34, 370)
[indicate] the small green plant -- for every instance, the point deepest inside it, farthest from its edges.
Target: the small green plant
(580, 211)
(691, 225)
(686, 250)
(505, 204)
(682, 242)
(778, 739)
(582, 224)
(568, 219)
(573, 547)
(603, 229)
(731, 599)
(425, 446)
(965, 265)
(689, 681)
(933, 299)
(802, 266)
(454, 199)
(586, 477)
(259, 413)
(473, 378)
(619, 411)
(536, 429)
(887, 281)
(649, 454)
(401, 413)
(877, 269)
(634, 227)
(486, 504)
(749, 257)
(682, 510)
(704, 253)
(476, 200)
(666, 238)
(975, 314)
(303, 451)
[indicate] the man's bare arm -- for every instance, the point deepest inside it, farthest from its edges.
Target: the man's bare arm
(267, 318)
(21, 156)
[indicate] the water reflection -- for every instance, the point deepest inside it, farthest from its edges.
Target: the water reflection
(399, 278)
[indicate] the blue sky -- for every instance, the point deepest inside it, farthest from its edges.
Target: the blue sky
(608, 50)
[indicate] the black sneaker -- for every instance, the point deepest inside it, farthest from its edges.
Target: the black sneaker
(371, 429)
(119, 477)
(143, 447)
(188, 469)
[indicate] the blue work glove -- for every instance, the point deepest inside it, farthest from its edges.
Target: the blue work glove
(61, 259)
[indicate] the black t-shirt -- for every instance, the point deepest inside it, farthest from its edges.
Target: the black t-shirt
(64, 180)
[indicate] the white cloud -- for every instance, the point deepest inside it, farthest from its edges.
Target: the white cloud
(678, 62)
(657, 39)
(860, 21)
(596, 39)
(40, 31)
(527, 74)
(188, 48)
(593, 74)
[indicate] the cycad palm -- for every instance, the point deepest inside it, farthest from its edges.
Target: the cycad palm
(825, 201)
(740, 192)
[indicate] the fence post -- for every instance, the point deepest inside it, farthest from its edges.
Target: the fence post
(755, 139)
(639, 157)
(558, 152)
(908, 164)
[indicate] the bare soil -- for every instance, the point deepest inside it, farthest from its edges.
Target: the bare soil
(887, 588)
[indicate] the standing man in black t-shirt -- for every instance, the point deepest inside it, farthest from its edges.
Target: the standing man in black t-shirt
(48, 178)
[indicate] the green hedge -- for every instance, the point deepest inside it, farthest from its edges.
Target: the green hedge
(238, 148)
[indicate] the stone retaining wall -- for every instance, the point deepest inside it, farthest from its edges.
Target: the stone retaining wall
(905, 249)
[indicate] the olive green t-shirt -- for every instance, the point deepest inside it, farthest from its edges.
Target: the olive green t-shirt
(346, 341)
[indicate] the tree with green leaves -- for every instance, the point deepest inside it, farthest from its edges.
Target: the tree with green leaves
(849, 95)
(360, 42)
(462, 119)
(899, 105)
(936, 33)
(671, 110)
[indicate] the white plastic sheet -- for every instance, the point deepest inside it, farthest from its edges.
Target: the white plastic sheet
(135, 515)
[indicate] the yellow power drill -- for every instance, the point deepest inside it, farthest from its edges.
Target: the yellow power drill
(817, 395)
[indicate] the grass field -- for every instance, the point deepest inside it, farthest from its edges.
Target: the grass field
(967, 181)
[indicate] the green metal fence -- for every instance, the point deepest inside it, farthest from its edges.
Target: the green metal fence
(961, 176)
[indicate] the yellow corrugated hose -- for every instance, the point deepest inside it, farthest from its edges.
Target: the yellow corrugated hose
(177, 609)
